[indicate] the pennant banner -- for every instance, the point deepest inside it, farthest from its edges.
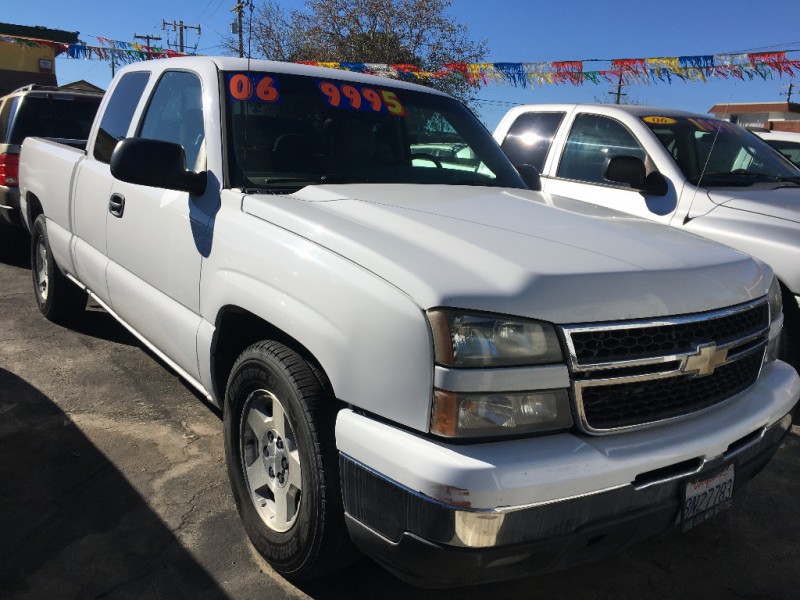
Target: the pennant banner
(664, 69)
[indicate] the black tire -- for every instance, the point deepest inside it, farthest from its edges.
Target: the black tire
(59, 299)
(278, 419)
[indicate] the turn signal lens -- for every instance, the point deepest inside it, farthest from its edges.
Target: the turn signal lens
(9, 169)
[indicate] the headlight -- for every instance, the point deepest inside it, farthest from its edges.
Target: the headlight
(499, 414)
(776, 321)
(775, 300)
(479, 340)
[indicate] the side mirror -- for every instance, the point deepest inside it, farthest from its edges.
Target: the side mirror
(155, 163)
(530, 175)
(631, 170)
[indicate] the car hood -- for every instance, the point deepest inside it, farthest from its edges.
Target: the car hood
(514, 251)
(780, 203)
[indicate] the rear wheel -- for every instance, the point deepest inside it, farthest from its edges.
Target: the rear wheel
(282, 461)
(59, 299)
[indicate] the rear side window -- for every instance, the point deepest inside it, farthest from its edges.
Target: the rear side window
(119, 113)
(530, 137)
(5, 119)
(592, 140)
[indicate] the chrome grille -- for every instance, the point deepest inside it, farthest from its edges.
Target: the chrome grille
(637, 373)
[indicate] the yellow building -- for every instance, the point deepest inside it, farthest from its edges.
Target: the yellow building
(24, 60)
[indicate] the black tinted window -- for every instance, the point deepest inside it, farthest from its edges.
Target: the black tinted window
(5, 116)
(118, 114)
(592, 140)
(54, 116)
(530, 137)
(175, 113)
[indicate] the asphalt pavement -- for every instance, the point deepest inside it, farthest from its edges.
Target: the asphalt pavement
(113, 486)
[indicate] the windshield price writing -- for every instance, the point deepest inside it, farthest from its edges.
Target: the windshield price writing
(345, 95)
(263, 88)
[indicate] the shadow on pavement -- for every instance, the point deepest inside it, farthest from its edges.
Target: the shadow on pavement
(15, 246)
(72, 526)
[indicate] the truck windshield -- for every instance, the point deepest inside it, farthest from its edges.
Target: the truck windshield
(288, 131)
(715, 153)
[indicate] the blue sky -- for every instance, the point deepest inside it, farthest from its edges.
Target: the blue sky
(516, 31)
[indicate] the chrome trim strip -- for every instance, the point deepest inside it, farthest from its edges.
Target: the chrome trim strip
(620, 325)
(510, 379)
(584, 426)
(702, 360)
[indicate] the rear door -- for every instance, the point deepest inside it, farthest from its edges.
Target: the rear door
(90, 195)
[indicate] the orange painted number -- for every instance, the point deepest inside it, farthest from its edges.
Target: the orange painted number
(240, 87)
(393, 105)
(266, 90)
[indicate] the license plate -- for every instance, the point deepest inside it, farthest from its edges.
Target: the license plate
(707, 496)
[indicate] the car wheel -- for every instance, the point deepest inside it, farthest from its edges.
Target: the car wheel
(282, 461)
(59, 299)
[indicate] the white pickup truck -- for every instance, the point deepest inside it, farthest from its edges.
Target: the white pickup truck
(415, 355)
(690, 171)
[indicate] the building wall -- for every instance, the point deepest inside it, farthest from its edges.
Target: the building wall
(21, 65)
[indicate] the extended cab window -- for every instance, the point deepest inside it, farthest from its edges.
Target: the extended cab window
(175, 113)
(119, 113)
(592, 140)
(530, 137)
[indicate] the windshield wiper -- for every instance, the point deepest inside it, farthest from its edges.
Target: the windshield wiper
(473, 182)
(743, 178)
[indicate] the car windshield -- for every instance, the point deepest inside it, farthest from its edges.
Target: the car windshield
(288, 131)
(715, 153)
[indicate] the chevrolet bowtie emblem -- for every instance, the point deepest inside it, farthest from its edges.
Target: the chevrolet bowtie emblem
(707, 358)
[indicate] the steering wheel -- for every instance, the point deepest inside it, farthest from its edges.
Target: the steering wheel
(426, 156)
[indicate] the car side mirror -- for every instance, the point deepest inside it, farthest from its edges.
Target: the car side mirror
(530, 175)
(631, 170)
(155, 163)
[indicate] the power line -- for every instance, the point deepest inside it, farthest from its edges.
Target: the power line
(180, 27)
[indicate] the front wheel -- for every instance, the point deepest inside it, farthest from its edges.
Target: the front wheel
(59, 299)
(282, 461)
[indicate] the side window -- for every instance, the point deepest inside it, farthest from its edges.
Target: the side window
(5, 119)
(530, 137)
(118, 114)
(592, 140)
(175, 114)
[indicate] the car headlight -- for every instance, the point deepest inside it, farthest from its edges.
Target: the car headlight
(463, 339)
(459, 415)
(775, 300)
(776, 321)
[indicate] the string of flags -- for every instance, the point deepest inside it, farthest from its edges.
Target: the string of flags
(643, 71)
(107, 49)
(763, 65)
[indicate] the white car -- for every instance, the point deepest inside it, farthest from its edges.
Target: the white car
(686, 170)
(785, 142)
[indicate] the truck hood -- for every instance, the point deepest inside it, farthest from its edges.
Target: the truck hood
(515, 251)
(780, 203)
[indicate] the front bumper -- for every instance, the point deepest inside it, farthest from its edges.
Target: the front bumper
(442, 530)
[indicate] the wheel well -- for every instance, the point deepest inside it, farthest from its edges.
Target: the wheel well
(34, 208)
(236, 330)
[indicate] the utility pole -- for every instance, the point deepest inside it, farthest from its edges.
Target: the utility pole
(618, 94)
(788, 94)
(147, 38)
(239, 9)
(180, 27)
